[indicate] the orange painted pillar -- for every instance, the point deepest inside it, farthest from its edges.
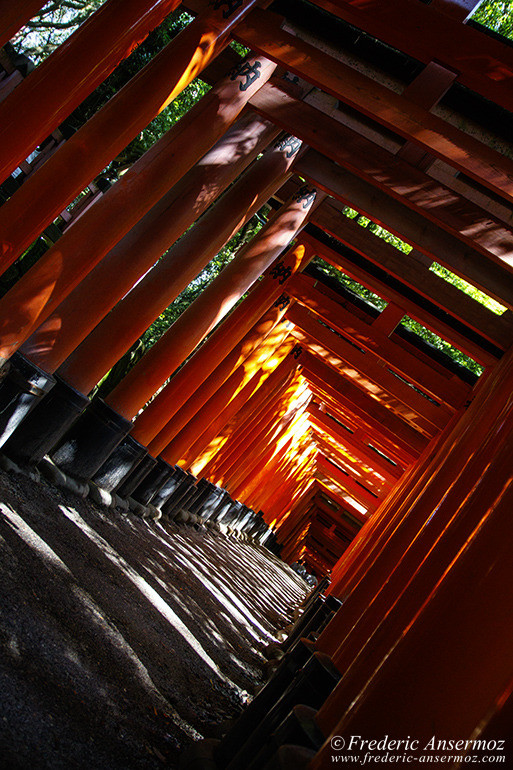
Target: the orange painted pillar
(204, 360)
(60, 83)
(284, 483)
(89, 150)
(288, 511)
(401, 522)
(266, 464)
(448, 671)
(292, 515)
(52, 278)
(428, 555)
(210, 307)
(260, 467)
(260, 442)
(280, 511)
(220, 387)
(279, 472)
(293, 542)
(260, 416)
(298, 506)
(132, 316)
(437, 490)
(14, 15)
(369, 539)
(285, 475)
(251, 412)
(142, 246)
(205, 454)
(454, 524)
(183, 446)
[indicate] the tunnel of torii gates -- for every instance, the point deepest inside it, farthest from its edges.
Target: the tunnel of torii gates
(329, 424)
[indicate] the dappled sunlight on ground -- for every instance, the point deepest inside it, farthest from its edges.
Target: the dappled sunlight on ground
(123, 640)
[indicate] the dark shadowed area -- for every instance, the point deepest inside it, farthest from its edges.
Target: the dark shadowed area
(122, 640)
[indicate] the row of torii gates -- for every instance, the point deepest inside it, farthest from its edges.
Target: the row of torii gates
(304, 401)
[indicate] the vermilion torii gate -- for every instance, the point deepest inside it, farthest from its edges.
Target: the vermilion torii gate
(365, 450)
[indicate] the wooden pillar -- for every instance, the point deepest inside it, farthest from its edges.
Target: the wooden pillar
(251, 412)
(86, 306)
(280, 476)
(204, 360)
(14, 15)
(264, 469)
(293, 517)
(429, 527)
(259, 441)
(461, 624)
(369, 538)
(399, 522)
(89, 150)
(275, 448)
(232, 374)
(258, 424)
(203, 314)
(132, 316)
(52, 278)
(205, 454)
(60, 83)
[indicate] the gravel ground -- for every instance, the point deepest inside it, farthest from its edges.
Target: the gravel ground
(121, 641)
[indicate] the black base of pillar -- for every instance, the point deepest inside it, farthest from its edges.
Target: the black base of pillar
(209, 504)
(298, 729)
(181, 500)
(266, 699)
(288, 756)
(135, 476)
(313, 618)
(169, 487)
(46, 424)
(91, 440)
(152, 483)
(124, 459)
(311, 686)
(24, 385)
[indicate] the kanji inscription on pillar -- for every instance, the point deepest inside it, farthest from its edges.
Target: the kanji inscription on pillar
(305, 194)
(282, 301)
(246, 70)
(281, 272)
(231, 6)
(289, 143)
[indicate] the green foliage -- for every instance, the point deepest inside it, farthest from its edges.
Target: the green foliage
(351, 284)
(442, 272)
(467, 288)
(239, 48)
(440, 344)
(497, 15)
(376, 229)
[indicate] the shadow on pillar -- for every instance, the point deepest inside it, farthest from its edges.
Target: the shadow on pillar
(23, 387)
(90, 440)
(125, 468)
(46, 423)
